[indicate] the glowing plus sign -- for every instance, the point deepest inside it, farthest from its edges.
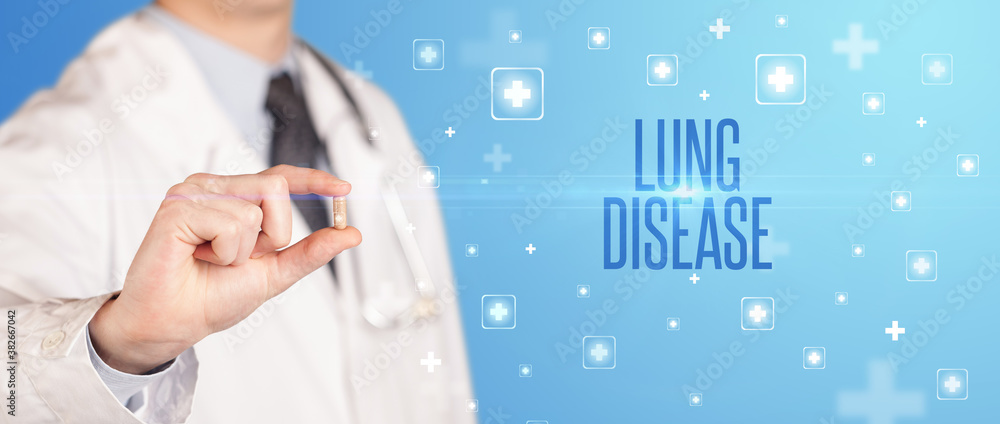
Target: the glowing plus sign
(517, 94)
(429, 176)
(779, 79)
(428, 54)
(936, 69)
(718, 28)
(450, 132)
(661, 69)
(704, 95)
(873, 103)
(952, 384)
(531, 249)
(430, 362)
(921, 266)
(410, 227)
(895, 330)
(598, 38)
(921, 122)
(599, 352)
(968, 165)
(901, 201)
(498, 311)
(694, 278)
(757, 313)
(814, 358)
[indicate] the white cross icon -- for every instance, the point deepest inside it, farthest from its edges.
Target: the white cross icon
(757, 313)
(873, 103)
(450, 132)
(498, 311)
(857, 250)
(430, 362)
(921, 266)
(841, 298)
(514, 36)
(673, 323)
(855, 46)
(921, 122)
(868, 159)
(531, 249)
(968, 165)
(583, 290)
(429, 176)
(704, 95)
(780, 79)
(598, 38)
(901, 201)
(781, 21)
(694, 278)
(695, 399)
(718, 28)
(410, 227)
(661, 69)
(517, 93)
(895, 330)
(936, 69)
(428, 54)
(599, 352)
(814, 358)
(952, 384)
(525, 370)
(472, 250)
(498, 158)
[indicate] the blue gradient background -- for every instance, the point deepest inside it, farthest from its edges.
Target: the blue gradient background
(815, 178)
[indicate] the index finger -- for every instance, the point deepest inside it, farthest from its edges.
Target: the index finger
(307, 180)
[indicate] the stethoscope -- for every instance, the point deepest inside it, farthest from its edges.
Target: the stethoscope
(423, 307)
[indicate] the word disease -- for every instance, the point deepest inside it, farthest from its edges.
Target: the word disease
(640, 233)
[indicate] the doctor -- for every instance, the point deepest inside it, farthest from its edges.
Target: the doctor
(144, 217)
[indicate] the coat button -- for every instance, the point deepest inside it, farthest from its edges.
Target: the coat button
(53, 340)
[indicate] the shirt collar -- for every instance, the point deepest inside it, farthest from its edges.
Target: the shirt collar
(238, 80)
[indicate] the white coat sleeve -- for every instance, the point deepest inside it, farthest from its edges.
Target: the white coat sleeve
(57, 229)
(55, 380)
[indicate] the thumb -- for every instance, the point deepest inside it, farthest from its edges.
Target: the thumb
(300, 259)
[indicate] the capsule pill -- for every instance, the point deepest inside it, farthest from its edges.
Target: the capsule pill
(340, 212)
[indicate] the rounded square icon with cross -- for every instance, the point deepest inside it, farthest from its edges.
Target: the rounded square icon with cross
(499, 311)
(661, 69)
(781, 79)
(517, 94)
(921, 265)
(599, 352)
(428, 54)
(757, 313)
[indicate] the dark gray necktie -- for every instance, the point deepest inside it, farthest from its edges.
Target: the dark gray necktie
(295, 142)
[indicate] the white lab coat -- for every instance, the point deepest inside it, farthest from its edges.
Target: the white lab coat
(73, 213)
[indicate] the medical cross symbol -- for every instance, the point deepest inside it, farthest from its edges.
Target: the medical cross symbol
(857, 250)
(531, 249)
(583, 290)
(921, 266)
(525, 370)
(854, 46)
(694, 278)
(921, 122)
(968, 165)
(895, 330)
(598, 38)
(901, 201)
(517, 93)
(599, 352)
(952, 384)
(881, 402)
(410, 227)
(704, 95)
(841, 298)
(498, 158)
(450, 132)
(936, 69)
(429, 177)
(780, 79)
(814, 358)
(873, 103)
(661, 69)
(718, 28)
(472, 250)
(430, 362)
(868, 158)
(498, 311)
(757, 313)
(428, 54)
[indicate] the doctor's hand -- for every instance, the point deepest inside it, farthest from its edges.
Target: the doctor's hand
(209, 259)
